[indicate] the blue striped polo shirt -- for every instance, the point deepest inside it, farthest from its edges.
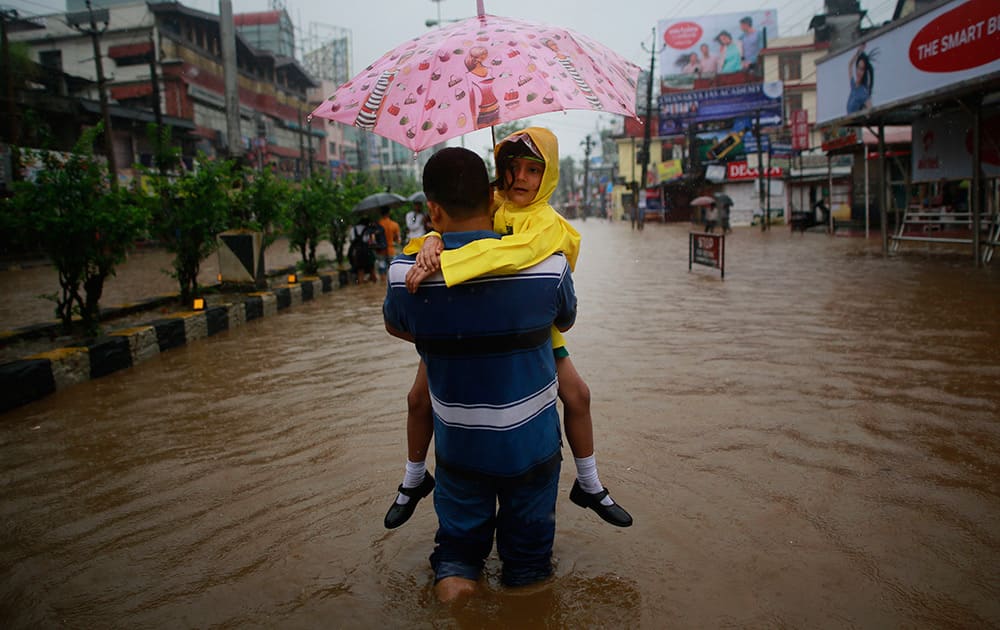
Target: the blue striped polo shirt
(488, 350)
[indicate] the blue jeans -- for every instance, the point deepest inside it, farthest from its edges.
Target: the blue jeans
(525, 526)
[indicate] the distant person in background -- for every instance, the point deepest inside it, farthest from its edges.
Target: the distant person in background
(724, 211)
(416, 221)
(750, 41)
(823, 211)
(367, 237)
(711, 218)
(392, 238)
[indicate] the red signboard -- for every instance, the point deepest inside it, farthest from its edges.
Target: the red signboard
(963, 38)
(707, 249)
(742, 170)
(682, 35)
(800, 129)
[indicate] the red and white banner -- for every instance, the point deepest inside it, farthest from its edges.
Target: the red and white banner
(800, 129)
(956, 42)
(736, 171)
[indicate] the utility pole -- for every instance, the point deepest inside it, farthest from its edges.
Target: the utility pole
(230, 75)
(157, 109)
(309, 142)
(302, 151)
(647, 132)
(155, 80)
(76, 20)
(8, 75)
(587, 143)
(764, 218)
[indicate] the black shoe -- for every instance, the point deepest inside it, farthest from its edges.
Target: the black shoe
(399, 514)
(614, 513)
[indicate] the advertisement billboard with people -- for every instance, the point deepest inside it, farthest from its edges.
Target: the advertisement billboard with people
(713, 44)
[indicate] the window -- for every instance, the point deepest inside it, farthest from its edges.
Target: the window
(51, 59)
(333, 150)
(790, 67)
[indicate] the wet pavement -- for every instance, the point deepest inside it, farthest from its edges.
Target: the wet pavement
(145, 274)
(813, 442)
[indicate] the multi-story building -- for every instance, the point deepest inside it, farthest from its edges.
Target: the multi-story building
(175, 52)
(811, 176)
(267, 30)
(342, 142)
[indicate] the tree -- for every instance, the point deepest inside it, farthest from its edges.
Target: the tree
(261, 204)
(189, 211)
(350, 189)
(311, 209)
(83, 225)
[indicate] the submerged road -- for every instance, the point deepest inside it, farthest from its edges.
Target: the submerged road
(813, 442)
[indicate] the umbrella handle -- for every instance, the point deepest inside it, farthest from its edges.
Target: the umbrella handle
(479, 8)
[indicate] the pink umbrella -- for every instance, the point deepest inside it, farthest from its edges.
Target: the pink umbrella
(477, 73)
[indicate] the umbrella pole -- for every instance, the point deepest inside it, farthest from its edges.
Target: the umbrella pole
(493, 135)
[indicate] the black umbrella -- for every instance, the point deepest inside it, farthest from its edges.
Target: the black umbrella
(417, 197)
(378, 200)
(724, 199)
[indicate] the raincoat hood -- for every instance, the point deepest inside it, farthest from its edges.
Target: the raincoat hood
(546, 146)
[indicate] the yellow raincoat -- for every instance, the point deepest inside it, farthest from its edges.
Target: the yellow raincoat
(532, 233)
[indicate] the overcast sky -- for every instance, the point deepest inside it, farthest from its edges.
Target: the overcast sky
(626, 26)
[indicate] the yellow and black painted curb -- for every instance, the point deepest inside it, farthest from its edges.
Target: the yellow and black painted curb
(25, 380)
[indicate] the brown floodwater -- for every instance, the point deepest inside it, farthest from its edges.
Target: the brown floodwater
(813, 442)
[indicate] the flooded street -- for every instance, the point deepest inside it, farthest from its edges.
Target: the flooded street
(813, 442)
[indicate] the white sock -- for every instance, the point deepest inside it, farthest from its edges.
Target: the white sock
(586, 474)
(415, 472)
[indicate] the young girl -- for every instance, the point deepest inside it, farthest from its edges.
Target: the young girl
(527, 175)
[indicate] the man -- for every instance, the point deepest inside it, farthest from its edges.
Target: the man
(488, 353)
(366, 238)
(392, 237)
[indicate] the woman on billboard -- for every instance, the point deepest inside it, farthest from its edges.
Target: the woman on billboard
(862, 78)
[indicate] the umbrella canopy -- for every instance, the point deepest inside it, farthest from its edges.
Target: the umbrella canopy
(417, 197)
(477, 73)
(704, 200)
(724, 199)
(378, 200)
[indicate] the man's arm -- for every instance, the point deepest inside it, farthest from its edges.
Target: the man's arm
(395, 332)
(393, 324)
(540, 237)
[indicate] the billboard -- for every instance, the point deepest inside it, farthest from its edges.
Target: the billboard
(740, 103)
(942, 146)
(956, 42)
(712, 44)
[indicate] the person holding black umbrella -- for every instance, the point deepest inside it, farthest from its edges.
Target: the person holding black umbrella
(367, 238)
(725, 208)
